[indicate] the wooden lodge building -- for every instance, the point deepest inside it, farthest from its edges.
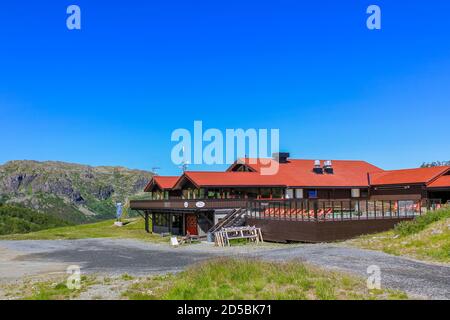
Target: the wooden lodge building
(306, 200)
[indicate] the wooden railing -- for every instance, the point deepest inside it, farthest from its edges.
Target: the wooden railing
(338, 210)
(299, 209)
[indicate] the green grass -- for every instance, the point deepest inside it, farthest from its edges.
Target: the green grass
(425, 238)
(55, 289)
(232, 279)
(225, 278)
(134, 229)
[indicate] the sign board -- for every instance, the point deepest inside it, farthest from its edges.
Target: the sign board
(174, 241)
(200, 204)
(118, 210)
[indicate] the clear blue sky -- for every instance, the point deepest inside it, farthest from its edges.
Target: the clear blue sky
(112, 93)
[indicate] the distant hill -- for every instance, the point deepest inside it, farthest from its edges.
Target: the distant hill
(15, 219)
(72, 192)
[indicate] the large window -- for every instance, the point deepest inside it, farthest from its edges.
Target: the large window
(312, 194)
(161, 223)
(265, 193)
(299, 193)
(289, 193)
(277, 193)
(356, 193)
(177, 224)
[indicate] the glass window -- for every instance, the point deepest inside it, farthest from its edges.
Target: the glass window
(289, 193)
(265, 193)
(312, 194)
(299, 193)
(277, 193)
(356, 193)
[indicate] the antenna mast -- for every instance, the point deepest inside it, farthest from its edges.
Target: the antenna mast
(185, 163)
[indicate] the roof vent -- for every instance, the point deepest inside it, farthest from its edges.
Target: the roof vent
(328, 167)
(317, 167)
(281, 157)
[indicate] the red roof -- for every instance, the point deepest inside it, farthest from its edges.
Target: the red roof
(229, 179)
(441, 182)
(418, 175)
(299, 173)
(295, 173)
(163, 182)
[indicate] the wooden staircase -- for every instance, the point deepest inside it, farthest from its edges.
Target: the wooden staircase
(233, 219)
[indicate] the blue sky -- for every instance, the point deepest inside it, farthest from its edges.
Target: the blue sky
(112, 93)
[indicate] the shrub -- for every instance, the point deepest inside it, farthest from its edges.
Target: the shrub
(420, 223)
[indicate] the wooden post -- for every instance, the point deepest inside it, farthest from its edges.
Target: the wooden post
(146, 222)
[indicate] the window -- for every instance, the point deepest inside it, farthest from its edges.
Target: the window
(312, 194)
(265, 193)
(356, 193)
(299, 193)
(277, 193)
(211, 194)
(289, 193)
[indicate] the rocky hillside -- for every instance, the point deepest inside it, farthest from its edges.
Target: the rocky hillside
(72, 192)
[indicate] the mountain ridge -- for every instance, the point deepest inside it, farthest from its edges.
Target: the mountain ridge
(74, 192)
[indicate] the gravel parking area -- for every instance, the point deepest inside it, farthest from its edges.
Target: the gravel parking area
(116, 257)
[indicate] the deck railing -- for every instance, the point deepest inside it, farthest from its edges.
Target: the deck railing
(338, 210)
(301, 210)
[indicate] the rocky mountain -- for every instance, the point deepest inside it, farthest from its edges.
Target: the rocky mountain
(72, 192)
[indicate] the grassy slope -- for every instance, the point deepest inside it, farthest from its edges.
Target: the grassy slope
(234, 279)
(426, 238)
(105, 229)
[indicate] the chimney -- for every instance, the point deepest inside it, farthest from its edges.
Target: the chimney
(317, 167)
(328, 167)
(281, 157)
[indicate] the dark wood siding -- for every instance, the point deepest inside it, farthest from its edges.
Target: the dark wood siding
(283, 231)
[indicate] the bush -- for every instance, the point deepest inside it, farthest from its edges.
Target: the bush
(420, 223)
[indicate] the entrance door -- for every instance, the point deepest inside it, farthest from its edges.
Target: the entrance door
(191, 224)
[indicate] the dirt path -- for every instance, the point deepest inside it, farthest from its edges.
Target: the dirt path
(115, 257)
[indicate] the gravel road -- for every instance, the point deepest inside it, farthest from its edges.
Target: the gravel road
(116, 257)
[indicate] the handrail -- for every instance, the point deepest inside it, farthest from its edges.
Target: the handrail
(228, 219)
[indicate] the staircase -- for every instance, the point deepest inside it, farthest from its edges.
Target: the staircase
(235, 218)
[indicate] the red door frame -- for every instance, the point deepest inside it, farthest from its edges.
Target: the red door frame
(191, 224)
